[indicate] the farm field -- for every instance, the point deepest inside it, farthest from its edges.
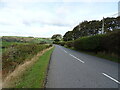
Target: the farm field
(17, 50)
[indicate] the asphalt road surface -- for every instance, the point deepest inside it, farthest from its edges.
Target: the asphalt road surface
(72, 69)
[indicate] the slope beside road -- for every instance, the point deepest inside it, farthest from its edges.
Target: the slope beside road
(72, 69)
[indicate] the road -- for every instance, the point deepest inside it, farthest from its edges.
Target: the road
(72, 69)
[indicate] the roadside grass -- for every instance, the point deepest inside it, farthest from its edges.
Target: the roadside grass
(18, 54)
(35, 76)
(110, 57)
(104, 55)
(0, 46)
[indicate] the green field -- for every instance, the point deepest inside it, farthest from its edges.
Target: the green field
(26, 39)
(15, 50)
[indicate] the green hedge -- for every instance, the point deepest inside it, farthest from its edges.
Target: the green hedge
(106, 42)
(69, 43)
(92, 43)
(62, 43)
(111, 42)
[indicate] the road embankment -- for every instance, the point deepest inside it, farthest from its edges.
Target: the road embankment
(15, 79)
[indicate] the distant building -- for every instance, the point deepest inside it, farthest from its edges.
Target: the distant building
(119, 8)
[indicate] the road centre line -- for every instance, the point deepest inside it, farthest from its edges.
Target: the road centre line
(102, 73)
(65, 51)
(111, 78)
(73, 56)
(76, 58)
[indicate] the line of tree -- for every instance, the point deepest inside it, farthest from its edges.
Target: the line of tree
(94, 27)
(56, 38)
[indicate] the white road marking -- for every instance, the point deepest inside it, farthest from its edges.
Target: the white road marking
(111, 78)
(76, 58)
(65, 51)
(72, 55)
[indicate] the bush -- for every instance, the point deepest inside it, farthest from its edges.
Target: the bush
(106, 42)
(18, 53)
(43, 42)
(62, 43)
(111, 43)
(92, 43)
(55, 42)
(69, 43)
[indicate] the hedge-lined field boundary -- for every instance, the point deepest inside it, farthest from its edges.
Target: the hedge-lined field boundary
(108, 43)
(17, 54)
(101, 43)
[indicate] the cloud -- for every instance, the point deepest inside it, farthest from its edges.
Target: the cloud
(32, 1)
(34, 18)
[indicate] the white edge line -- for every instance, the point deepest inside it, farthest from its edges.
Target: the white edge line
(77, 58)
(111, 78)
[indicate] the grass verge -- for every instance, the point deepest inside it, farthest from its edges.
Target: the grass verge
(100, 54)
(35, 76)
(104, 55)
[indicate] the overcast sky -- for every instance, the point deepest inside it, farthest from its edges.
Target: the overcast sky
(47, 17)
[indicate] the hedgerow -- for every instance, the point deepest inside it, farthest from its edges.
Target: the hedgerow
(17, 53)
(92, 43)
(107, 42)
(69, 43)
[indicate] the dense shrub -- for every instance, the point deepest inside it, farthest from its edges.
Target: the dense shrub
(55, 42)
(43, 42)
(106, 42)
(111, 43)
(69, 43)
(18, 53)
(16, 39)
(62, 43)
(92, 43)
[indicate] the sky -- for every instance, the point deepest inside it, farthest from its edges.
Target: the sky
(43, 18)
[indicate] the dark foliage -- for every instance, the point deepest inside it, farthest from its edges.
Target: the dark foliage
(106, 42)
(91, 28)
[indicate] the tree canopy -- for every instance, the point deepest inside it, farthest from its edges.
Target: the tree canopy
(57, 37)
(90, 28)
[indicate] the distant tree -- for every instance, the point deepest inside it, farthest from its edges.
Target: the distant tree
(56, 40)
(57, 37)
(30, 37)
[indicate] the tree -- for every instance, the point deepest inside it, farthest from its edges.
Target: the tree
(110, 24)
(68, 36)
(57, 37)
(90, 28)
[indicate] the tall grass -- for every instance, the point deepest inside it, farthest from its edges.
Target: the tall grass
(36, 73)
(18, 53)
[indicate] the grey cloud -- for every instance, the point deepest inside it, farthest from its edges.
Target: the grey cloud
(3, 23)
(42, 23)
(26, 23)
